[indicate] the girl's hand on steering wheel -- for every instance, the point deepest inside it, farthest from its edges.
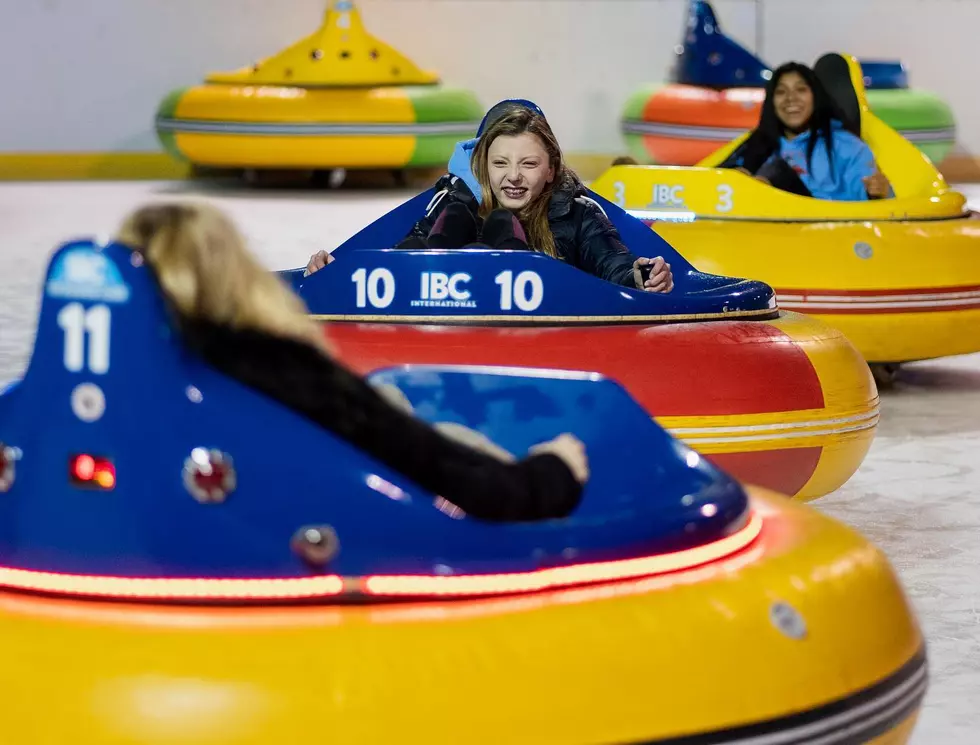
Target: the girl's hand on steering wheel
(660, 279)
(317, 261)
(571, 450)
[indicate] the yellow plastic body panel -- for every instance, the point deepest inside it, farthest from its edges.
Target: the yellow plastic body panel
(900, 277)
(339, 53)
(684, 653)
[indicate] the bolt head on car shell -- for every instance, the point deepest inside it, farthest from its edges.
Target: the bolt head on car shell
(209, 475)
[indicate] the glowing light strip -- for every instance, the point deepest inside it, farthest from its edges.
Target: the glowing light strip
(664, 215)
(166, 588)
(549, 579)
(160, 588)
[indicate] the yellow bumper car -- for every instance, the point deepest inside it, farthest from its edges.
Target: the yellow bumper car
(900, 277)
(339, 98)
(183, 561)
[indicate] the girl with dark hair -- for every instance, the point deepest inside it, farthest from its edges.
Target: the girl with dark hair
(802, 146)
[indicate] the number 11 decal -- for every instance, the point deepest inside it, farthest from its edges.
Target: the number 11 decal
(77, 323)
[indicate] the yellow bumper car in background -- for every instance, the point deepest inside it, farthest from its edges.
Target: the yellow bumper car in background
(900, 277)
(339, 98)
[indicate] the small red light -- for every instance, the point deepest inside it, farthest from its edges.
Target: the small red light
(106, 476)
(84, 467)
(92, 471)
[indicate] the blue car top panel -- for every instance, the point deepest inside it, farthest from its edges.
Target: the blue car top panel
(884, 75)
(487, 287)
(369, 278)
(708, 58)
(109, 378)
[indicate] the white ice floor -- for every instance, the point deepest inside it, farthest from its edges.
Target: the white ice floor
(917, 495)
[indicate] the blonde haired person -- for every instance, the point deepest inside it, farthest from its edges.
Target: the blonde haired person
(243, 321)
(509, 188)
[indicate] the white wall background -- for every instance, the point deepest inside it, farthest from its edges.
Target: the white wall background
(87, 75)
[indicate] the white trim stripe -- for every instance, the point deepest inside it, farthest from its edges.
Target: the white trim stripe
(888, 297)
(781, 431)
(314, 129)
(879, 305)
(726, 134)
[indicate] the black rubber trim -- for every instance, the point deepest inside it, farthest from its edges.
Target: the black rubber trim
(853, 720)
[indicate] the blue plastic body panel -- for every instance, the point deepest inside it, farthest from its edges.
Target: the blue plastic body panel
(706, 57)
(492, 287)
(567, 292)
(884, 75)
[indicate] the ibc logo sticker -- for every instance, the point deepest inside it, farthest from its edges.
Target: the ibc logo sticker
(442, 290)
(665, 195)
(86, 274)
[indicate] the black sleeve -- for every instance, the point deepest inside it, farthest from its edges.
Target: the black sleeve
(600, 249)
(300, 377)
(449, 189)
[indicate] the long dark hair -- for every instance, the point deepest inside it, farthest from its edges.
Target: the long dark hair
(765, 139)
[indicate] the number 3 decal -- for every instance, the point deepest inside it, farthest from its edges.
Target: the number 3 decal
(619, 194)
(724, 198)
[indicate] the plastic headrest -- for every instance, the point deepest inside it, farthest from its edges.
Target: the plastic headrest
(834, 73)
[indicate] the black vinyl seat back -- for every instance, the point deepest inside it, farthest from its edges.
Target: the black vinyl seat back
(834, 74)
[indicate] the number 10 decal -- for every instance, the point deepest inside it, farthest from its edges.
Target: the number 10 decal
(77, 322)
(378, 287)
(526, 291)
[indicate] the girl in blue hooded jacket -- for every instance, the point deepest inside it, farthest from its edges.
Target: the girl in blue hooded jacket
(801, 145)
(509, 188)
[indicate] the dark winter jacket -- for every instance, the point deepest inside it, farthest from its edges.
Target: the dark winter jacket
(302, 378)
(584, 236)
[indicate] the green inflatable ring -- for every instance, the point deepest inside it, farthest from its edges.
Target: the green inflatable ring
(922, 117)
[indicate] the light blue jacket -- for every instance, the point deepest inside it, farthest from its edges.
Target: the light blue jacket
(459, 166)
(842, 180)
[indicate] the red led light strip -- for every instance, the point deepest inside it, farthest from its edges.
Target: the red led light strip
(154, 588)
(167, 588)
(550, 579)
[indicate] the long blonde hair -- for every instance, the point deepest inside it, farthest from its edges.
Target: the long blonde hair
(204, 268)
(534, 216)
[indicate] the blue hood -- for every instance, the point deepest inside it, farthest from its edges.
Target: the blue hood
(459, 166)
(459, 163)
